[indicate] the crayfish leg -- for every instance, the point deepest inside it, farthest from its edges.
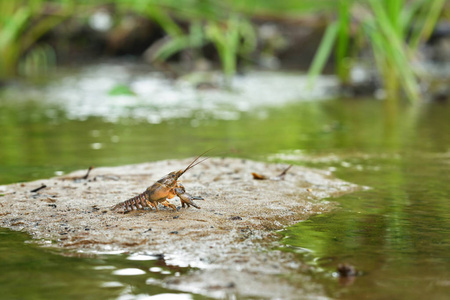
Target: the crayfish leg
(167, 204)
(151, 204)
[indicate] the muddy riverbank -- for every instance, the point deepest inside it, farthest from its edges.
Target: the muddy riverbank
(226, 239)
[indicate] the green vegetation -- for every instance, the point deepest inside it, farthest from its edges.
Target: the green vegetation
(22, 24)
(121, 90)
(392, 30)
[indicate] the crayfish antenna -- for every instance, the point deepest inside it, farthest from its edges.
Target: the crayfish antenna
(194, 162)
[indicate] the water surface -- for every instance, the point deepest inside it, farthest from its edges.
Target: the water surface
(396, 233)
(29, 271)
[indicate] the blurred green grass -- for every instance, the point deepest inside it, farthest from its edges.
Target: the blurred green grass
(392, 30)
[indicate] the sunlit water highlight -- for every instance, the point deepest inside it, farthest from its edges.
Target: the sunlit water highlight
(151, 97)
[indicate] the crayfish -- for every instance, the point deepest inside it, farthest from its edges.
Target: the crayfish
(165, 188)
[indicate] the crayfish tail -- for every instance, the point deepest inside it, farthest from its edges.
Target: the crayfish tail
(136, 203)
(119, 208)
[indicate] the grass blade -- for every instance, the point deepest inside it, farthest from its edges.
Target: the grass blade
(430, 19)
(323, 53)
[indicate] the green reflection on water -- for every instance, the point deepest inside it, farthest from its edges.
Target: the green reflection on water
(38, 140)
(396, 233)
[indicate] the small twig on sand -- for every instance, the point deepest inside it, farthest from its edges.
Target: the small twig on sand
(281, 176)
(278, 177)
(43, 186)
(87, 174)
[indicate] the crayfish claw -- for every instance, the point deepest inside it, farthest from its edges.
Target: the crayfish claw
(186, 199)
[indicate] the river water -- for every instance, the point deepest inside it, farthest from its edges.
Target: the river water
(396, 234)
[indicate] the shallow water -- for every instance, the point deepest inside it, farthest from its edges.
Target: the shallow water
(33, 272)
(396, 233)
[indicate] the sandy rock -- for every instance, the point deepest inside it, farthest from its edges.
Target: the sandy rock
(228, 236)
